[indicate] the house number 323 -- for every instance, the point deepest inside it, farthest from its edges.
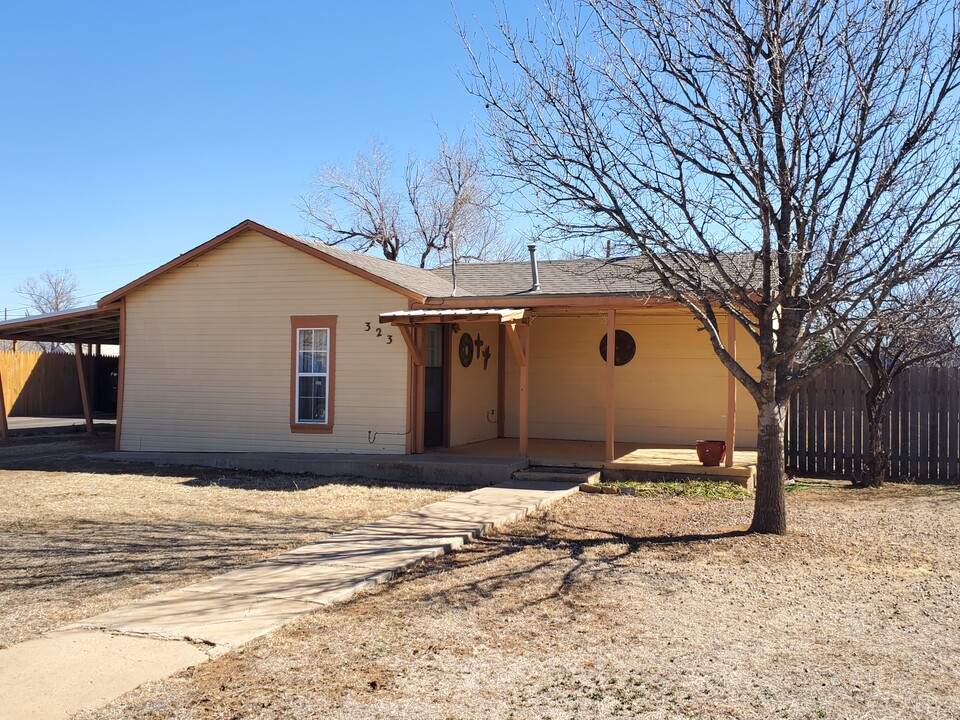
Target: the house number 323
(368, 327)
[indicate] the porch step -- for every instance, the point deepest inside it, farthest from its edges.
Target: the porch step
(591, 476)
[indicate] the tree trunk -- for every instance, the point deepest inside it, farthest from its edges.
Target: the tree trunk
(874, 470)
(770, 506)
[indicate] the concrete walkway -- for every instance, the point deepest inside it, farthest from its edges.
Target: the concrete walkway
(23, 426)
(90, 663)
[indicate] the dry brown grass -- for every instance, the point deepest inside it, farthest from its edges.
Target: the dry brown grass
(612, 606)
(81, 536)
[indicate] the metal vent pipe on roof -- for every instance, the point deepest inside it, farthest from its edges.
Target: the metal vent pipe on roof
(533, 268)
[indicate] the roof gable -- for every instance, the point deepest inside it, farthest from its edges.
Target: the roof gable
(411, 282)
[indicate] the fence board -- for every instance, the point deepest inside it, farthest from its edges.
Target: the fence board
(923, 425)
(934, 425)
(858, 404)
(953, 423)
(953, 426)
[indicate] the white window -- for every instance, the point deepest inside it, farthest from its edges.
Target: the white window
(313, 375)
(313, 371)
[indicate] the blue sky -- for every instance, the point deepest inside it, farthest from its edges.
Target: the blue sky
(131, 132)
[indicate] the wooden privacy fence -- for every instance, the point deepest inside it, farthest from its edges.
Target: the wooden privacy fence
(827, 431)
(36, 383)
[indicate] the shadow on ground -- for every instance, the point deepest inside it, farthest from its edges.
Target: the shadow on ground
(77, 453)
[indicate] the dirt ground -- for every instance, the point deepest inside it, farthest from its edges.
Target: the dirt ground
(616, 607)
(80, 536)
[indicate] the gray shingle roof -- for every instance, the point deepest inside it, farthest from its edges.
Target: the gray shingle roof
(418, 280)
(557, 277)
(587, 276)
(616, 276)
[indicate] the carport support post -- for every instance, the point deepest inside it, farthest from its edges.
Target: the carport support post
(4, 430)
(611, 352)
(84, 395)
(731, 391)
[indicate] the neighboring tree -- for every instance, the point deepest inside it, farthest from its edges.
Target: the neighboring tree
(791, 163)
(447, 205)
(917, 326)
(51, 292)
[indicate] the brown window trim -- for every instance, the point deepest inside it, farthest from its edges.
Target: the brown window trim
(298, 322)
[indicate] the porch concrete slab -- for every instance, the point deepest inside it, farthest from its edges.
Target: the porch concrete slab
(199, 615)
(632, 457)
(429, 468)
(64, 672)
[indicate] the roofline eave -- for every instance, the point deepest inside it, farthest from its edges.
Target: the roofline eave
(541, 299)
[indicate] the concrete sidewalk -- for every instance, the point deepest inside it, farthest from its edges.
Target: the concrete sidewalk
(28, 426)
(90, 663)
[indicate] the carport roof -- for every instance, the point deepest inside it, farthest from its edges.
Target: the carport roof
(95, 325)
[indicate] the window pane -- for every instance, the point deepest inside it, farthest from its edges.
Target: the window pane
(305, 342)
(312, 399)
(312, 362)
(312, 340)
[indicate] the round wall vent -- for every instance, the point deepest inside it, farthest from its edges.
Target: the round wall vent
(624, 350)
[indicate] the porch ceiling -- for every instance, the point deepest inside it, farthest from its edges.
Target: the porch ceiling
(95, 325)
(451, 315)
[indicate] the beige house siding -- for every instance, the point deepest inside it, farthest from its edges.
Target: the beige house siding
(208, 355)
(473, 389)
(673, 392)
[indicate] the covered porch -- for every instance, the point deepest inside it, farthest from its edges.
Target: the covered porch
(552, 394)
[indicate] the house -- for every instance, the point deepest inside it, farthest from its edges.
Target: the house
(259, 341)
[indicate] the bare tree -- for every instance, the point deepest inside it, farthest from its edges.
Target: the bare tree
(790, 164)
(447, 204)
(915, 326)
(51, 292)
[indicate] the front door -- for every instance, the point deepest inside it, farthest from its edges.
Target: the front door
(433, 419)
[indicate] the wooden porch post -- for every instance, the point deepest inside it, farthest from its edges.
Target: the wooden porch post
(523, 331)
(519, 336)
(420, 370)
(4, 430)
(412, 336)
(731, 392)
(501, 378)
(611, 352)
(82, 378)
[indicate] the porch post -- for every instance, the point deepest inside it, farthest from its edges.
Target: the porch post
(501, 378)
(519, 336)
(82, 378)
(731, 391)
(413, 337)
(611, 351)
(420, 375)
(523, 332)
(4, 430)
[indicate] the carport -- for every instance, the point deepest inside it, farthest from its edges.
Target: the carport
(82, 326)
